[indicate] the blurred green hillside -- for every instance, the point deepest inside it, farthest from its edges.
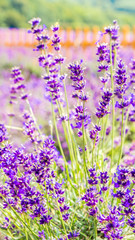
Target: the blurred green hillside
(73, 13)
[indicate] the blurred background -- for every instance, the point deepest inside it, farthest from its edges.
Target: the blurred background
(73, 13)
(80, 22)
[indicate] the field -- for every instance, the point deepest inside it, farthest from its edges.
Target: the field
(67, 139)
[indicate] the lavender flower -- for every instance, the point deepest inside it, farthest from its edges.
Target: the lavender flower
(76, 76)
(51, 63)
(41, 235)
(35, 22)
(121, 86)
(45, 219)
(120, 75)
(73, 234)
(93, 180)
(103, 180)
(103, 57)
(102, 109)
(94, 134)
(91, 200)
(113, 31)
(3, 133)
(30, 129)
(113, 227)
(17, 87)
(121, 178)
(81, 118)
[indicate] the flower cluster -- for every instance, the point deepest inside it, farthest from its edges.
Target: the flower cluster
(103, 57)
(50, 62)
(123, 190)
(80, 115)
(129, 155)
(113, 31)
(30, 129)
(78, 82)
(46, 177)
(94, 133)
(81, 119)
(39, 33)
(132, 71)
(121, 86)
(18, 191)
(93, 196)
(18, 86)
(3, 133)
(113, 227)
(21, 192)
(56, 38)
(103, 105)
(131, 86)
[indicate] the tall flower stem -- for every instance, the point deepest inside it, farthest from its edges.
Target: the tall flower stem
(68, 140)
(104, 125)
(71, 135)
(84, 151)
(95, 229)
(62, 220)
(113, 106)
(93, 150)
(84, 154)
(33, 116)
(58, 139)
(104, 130)
(46, 228)
(14, 128)
(98, 148)
(122, 136)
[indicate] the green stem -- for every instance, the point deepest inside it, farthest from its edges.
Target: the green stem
(95, 229)
(122, 137)
(68, 140)
(26, 234)
(113, 106)
(33, 116)
(66, 100)
(47, 231)
(62, 220)
(14, 128)
(72, 143)
(58, 139)
(72, 139)
(104, 130)
(84, 154)
(98, 148)
(93, 150)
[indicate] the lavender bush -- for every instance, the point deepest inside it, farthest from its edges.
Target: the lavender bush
(88, 191)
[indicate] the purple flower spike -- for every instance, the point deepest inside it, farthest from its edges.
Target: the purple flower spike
(65, 216)
(113, 31)
(112, 224)
(17, 86)
(45, 219)
(120, 75)
(55, 27)
(41, 235)
(73, 234)
(34, 22)
(3, 133)
(103, 105)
